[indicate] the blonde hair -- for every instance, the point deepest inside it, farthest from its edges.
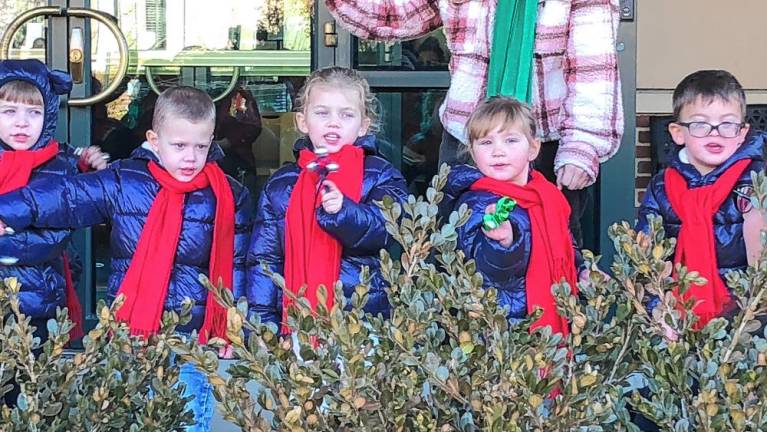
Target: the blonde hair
(343, 79)
(183, 102)
(18, 91)
(499, 111)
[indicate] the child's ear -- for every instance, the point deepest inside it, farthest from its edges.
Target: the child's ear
(677, 133)
(152, 139)
(468, 153)
(535, 148)
(365, 127)
(744, 131)
(301, 123)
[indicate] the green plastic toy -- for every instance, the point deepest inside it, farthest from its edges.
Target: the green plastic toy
(503, 207)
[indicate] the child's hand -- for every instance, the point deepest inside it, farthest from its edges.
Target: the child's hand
(226, 352)
(3, 229)
(93, 158)
(503, 234)
(668, 333)
(585, 275)
(332, 198)
(753, 224)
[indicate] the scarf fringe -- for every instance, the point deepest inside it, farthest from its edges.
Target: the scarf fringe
(215, 321)
(144, 333)
(74, 307)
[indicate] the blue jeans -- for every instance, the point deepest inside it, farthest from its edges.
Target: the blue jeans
(197, 385)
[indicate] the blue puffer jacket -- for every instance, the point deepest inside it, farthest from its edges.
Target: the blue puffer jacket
(728, 221)
(501, 268)
(39, 267)
(122, 195)
(359, 227)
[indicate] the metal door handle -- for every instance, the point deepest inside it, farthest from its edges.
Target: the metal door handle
(229, 88)
(331, 37)
(76, 56)
(54, 11)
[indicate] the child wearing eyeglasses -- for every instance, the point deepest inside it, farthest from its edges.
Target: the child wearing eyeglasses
(704, 193)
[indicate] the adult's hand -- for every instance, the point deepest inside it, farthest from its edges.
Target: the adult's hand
(573, 177)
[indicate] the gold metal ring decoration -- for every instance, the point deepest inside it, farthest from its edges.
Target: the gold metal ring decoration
(108, 20)
(232, 82)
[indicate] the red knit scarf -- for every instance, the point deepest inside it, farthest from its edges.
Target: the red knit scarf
(696, 246)
(552, 256)
(312, 256)
(146, 282)
(16, 168)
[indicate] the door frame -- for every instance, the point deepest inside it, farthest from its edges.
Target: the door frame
(79, 135)
(616, 189)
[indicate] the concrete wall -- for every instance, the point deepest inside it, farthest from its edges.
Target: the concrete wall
(676, 37)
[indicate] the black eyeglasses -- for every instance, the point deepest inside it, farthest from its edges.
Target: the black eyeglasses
(700, 129)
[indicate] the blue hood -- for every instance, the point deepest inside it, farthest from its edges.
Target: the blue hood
(50, 83)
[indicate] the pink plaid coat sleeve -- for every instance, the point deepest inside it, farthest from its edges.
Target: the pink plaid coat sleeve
(592, 110)
(387, 19)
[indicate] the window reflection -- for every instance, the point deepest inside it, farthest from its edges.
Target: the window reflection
(427, 53)
(412, 133)
(268, 41)
(29, 40)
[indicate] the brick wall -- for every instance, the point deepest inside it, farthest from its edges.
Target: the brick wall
(643, 162)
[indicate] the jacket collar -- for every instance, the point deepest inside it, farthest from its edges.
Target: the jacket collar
(751, 148)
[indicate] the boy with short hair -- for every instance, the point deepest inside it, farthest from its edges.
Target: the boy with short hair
(174, 215)
(703, 195)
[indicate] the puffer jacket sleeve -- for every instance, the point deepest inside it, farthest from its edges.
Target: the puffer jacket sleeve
(450, 196)
(361, 227)
(496, 262)
(35, 246)
(650, 204)
(38, 246)
(243, 225)
(459, 181)
(74, 202)
(650, 207)
(266, 248)
(68, 153)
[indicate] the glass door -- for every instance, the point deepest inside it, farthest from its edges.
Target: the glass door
(251, 57)
(410, 79)
(56, 32)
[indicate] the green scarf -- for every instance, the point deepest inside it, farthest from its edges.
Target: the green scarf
(511, 55)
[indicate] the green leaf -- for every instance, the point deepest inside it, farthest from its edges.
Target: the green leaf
(442, 373)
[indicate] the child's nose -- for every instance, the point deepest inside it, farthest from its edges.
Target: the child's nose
(190, 155)
(334, 120)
